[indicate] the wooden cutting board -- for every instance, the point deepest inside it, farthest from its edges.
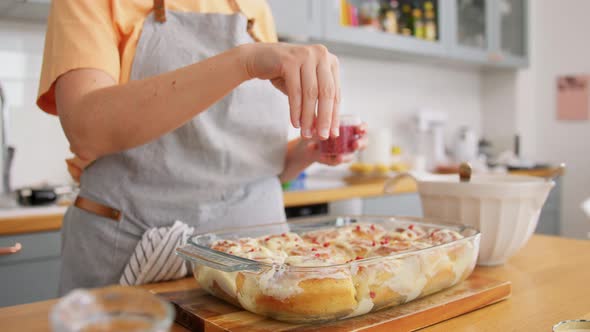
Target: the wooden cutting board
(199, 311)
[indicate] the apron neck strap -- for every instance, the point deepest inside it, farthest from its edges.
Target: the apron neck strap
(160, 10)
(160, 15)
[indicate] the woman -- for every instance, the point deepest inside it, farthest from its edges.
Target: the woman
(171, 113)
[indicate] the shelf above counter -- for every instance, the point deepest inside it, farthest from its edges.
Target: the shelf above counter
(501, 36)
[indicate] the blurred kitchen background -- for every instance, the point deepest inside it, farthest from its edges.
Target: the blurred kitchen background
(472, 74)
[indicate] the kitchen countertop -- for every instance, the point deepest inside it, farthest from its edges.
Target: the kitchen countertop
(549, 281)
(320, 188)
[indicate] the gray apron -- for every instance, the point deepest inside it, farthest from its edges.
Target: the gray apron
(218, 170)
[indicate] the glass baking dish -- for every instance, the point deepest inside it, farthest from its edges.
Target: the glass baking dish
(320, 293)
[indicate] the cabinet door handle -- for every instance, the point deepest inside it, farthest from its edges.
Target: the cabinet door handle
(10, 250)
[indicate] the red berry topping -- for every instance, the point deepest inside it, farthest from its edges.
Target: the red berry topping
(372, 227)
(267, 238)
(411, 227)
(314, 249)
(284, 235)
(358, 257)
(373, 243)
(372, 294)
(358, 228)
(317, 255)
(326, 244)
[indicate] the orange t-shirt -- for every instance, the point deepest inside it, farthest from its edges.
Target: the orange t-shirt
(103, 34)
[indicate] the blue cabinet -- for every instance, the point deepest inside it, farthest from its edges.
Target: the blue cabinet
(32, 273)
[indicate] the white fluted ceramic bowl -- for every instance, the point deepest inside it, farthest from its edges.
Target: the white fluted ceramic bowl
(504, 208)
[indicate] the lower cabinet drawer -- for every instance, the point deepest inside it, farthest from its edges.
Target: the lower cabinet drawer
(29, 281)
(34, 246)
(32, 273)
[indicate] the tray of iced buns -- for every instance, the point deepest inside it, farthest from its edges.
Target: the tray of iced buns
(329, 268)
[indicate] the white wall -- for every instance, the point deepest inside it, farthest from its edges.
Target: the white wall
(387, 93)
(40, 144)
(559, 46)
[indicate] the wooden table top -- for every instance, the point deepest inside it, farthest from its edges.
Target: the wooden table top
(549, 282)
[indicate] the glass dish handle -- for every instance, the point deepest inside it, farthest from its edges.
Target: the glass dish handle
(390, 184)
(218, 260)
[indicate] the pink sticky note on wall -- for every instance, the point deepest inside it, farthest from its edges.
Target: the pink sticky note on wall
(573, 97)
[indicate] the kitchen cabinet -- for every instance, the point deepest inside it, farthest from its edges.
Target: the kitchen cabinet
(471, 31)
(550, 220)
(511, 31)
(481, 32)
(362, 39)
(297, 20)
(32, 273)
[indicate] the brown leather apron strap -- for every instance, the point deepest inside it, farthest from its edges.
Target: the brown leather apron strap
(160, 10)
(97, 208)
(160, 15)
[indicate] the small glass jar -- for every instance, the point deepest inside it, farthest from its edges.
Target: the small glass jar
(344, 143)
(114, 308)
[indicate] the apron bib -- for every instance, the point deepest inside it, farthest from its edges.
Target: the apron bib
(218, 170)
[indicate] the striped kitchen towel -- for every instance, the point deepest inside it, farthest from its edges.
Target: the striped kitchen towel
(155, 259)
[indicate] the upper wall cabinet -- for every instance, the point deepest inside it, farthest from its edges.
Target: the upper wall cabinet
(297, 20)
(511, 42)
(471, 31)
(484, 32)
(404, 27)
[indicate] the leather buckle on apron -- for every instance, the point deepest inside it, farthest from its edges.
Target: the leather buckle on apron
(97, 208)
(160, 10)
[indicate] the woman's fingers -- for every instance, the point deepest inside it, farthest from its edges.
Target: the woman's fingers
(361, 143)
(326, 93)
(361, 129)
(310, 76)
(335, 66)
(347, 158)
(293, 87)
(363, 140)
(331, 160)
(318, 92)
(309, 86)
(335, 160)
